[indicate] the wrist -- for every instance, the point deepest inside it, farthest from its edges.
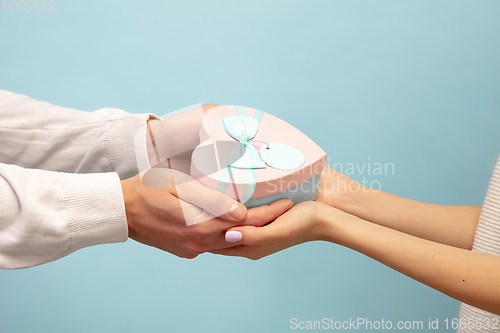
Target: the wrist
(151, 148)
(128, 200)
(340, 191)
(325, 224)
(355, 199)
(333, 225)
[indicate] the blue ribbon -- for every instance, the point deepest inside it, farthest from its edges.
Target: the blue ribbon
(243, 129)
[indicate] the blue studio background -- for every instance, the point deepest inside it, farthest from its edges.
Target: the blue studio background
(413, 83)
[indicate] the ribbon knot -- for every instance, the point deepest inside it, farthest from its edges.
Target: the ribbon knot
(243, 129)
(243, 156)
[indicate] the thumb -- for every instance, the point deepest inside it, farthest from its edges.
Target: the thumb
(212, 201)
(221, 205)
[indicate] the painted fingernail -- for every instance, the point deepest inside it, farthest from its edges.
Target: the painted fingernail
(238, 211)
(233, 236)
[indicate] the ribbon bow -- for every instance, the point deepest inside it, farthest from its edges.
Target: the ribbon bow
(243, 156)
(243, 129)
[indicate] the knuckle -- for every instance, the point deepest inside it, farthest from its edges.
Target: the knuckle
(254, 257)
(253, 221)
(190, 256)
(214, 203)
(252, 238)
(185, 254)
(194, 248)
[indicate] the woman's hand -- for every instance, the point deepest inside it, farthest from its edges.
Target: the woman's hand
(305, 222)
(308, 221)
(411, 237)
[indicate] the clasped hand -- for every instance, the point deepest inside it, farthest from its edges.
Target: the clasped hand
(168, 209)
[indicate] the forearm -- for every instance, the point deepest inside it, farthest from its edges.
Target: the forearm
(47, 215)
(468, 276)
(451, 225)
(39, 135)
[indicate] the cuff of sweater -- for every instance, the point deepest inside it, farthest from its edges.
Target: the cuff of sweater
(126, 145)
(95, 209)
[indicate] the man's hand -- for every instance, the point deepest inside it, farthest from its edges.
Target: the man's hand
(173, 212)
(168, 209)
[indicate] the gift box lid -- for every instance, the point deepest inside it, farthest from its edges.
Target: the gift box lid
(213, 154)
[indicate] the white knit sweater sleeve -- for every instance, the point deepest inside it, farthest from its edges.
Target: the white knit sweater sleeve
(75, 199)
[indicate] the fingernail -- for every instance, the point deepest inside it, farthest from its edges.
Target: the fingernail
(238, 211)
(233, 236)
